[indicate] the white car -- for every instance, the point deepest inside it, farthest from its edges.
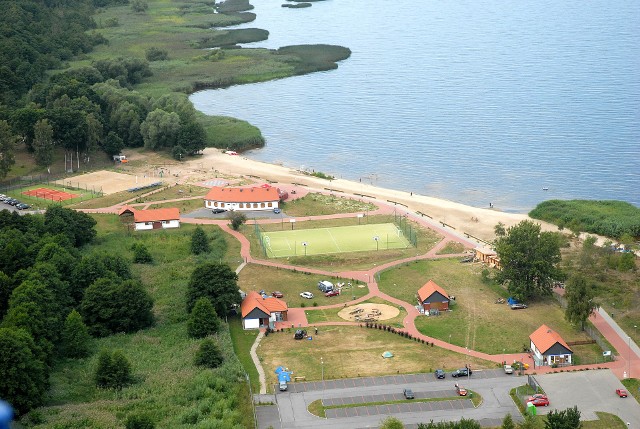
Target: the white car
(307, 295)
(508, 369)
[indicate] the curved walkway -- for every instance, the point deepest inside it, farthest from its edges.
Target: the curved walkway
(629, 358)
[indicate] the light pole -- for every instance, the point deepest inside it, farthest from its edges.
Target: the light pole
(629, 372)
(322, 368)
(376, 239)
(304, 244)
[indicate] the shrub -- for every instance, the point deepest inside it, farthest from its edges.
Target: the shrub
(209, 354)
(203, 319)
(156, 54)
(113, 370)
(139, 421)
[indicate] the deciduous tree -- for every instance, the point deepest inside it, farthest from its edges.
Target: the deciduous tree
(218, 283)
(530, 260)
(580, 303)
(7, 145)
(23, 374)
(113, 370)
(160, 129)
(43, 143)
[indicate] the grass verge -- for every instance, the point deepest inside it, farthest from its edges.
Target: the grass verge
(242, 342)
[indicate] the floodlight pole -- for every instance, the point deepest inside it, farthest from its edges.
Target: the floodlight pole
(322, 368)
(377, 240)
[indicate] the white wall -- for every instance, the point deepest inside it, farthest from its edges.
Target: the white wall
(236, 206)
(171, 224)
(142, 226)
(250, 323)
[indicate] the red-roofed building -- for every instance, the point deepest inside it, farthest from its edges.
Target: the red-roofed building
(433, 297)
(151, 219)
(242, 199)
(549, 348)
(262, 311)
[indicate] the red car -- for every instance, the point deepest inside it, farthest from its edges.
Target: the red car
(461, 391)
(332, 293)
(539, 400)
(277, 294)
(622, 393)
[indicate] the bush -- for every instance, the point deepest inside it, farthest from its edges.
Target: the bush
(75, 338)
(156, 54)
(141, 254)
(209, 354)
(113, 370)
(139, 421)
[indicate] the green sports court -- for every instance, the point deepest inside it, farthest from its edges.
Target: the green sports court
(356, 238)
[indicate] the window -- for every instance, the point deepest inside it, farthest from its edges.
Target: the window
(269, 204)
(215, 204)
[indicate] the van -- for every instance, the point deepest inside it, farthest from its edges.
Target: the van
(325, 286)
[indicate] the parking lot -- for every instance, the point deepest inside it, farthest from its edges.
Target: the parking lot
(12, 204)
(204, 213)
(492, 385)
(590, 391)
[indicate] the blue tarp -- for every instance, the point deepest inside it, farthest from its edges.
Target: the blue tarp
(283, 374)
(512, 301)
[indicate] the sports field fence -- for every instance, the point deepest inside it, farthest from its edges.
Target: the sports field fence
(402, 223)
(22, 182)
(260, 237)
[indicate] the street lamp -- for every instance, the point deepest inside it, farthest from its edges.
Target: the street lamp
(377, 240)
(304, 244)
(322, 368)
(629, 372)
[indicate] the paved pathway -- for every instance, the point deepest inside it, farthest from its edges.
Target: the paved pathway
(254, 357)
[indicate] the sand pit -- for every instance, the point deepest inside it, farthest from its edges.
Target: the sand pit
(107, 182)
(371, 311)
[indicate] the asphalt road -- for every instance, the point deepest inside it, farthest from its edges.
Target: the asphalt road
(492, 385)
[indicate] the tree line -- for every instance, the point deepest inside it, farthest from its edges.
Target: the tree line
(85, 110)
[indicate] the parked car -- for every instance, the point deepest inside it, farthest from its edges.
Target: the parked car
(12, 201)
(218, 211)
(622, 393)
(332, 293)
(307, 295)
(408, 394)
(508, 369)
(539, 400)
(440, 373)
(461, 391)
(277, 294)
(462, 372)
(22, 206)
(518, 306)
(300, 334)
(277, 210)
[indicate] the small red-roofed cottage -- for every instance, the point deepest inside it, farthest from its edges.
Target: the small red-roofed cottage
(549, 348)
(152, 219)
(433, 297)
(242, 199)
(258, 311)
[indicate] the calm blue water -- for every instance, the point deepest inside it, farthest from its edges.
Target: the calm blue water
(473, 101)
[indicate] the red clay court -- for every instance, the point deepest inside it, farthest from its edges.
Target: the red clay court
(50, 194)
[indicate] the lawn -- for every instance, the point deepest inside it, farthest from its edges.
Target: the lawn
(317, 204)
(242, 342)
(350, 351)
(254, 277)
(426, 238)
(331, 314)
(475, 321)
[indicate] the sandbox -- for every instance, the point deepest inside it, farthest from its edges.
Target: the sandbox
(368, 312)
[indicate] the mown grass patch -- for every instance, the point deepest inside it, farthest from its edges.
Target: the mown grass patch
(254, 277)
(317, 204)
(242, 342)
(476, 321)
(633, 386)
(352, 351)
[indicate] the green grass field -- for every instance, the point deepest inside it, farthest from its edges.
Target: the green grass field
(355, 238)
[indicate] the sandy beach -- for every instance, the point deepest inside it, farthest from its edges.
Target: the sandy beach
(479, 222)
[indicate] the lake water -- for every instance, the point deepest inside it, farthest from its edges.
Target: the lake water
(473, 101)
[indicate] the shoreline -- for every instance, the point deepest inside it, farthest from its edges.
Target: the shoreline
(478, 222)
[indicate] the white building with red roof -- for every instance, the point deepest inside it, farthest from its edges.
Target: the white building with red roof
(152, 219)
(242, 199)
(260, 311)
(549, 348)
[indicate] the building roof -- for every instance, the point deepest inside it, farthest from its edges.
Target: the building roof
(242, 195)
(268, 305)
(544, 338)
(429, 289)
(152, 215)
